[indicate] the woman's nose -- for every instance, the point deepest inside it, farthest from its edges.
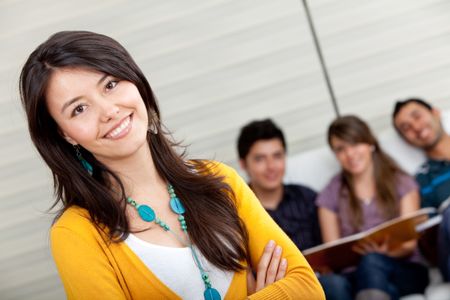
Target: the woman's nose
(349, 152)
(109, 110)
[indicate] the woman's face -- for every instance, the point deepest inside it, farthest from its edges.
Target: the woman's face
(354, 158)
(104, 115)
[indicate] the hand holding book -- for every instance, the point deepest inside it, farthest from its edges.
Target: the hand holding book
(388, 236)
(369, 246)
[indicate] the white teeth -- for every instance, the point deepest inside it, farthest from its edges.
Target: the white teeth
(119, 129)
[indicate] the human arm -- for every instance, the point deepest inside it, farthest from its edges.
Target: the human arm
(408, 204)
(329, 225)
(327, 202)
(300, 281)
(82, 264)
(271, 267)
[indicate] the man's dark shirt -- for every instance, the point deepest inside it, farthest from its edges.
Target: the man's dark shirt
(434, 180)
(296, 214)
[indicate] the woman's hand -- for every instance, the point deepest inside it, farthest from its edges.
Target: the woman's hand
(370, 246)
(271, 267)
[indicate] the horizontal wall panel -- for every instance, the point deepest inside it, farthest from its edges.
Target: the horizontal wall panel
(214, 65)
(381, 51)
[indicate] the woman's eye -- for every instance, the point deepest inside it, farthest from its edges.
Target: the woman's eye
(78, 110)
(111, 84)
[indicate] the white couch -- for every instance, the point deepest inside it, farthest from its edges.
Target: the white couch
(315, 168)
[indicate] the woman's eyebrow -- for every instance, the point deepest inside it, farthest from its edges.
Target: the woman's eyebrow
(68, 103)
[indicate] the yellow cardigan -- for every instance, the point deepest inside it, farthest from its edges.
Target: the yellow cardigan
(91, 268)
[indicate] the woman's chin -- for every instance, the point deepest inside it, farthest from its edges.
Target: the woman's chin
(355, 171)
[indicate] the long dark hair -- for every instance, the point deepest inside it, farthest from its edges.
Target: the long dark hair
(353, 130)
(211, 215)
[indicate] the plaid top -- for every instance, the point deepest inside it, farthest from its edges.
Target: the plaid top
(296, 214)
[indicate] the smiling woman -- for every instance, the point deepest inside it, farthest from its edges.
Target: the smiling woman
(369, 190)
(139, 221)
(97, 111)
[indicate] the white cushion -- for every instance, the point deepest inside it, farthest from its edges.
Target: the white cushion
(313, 168)
(408, 157)
(439, 291)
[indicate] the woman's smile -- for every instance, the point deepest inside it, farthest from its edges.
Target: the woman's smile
(93, 110)
(120, 130)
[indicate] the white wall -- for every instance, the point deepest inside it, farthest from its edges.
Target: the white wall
(215, 65)
(380, 51)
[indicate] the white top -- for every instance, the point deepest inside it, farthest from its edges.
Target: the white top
(176, 268)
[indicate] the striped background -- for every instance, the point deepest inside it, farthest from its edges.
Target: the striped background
(215, 65)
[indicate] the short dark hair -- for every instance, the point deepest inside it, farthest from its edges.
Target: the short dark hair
(258, 130)
(401, 103)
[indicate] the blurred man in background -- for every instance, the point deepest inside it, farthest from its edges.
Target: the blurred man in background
(420, 125)
(262, 154)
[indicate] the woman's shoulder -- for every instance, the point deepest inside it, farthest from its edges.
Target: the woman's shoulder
(334, 184)
(402, 176)
(405, 183)
(329, 196)
(217, 168)
(74, 219)
(229, 176)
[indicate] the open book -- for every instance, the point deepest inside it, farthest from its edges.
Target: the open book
(429, 234)
(338, 254)
(435, 220)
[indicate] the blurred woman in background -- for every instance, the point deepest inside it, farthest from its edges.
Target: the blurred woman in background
(369, 190)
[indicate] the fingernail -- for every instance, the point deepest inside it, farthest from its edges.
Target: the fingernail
(283, 262)
(271, 243)
(278, 250)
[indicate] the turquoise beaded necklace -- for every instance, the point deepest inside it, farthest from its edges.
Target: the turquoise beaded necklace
(148, 215)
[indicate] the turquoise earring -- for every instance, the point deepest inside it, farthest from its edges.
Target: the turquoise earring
(86, 165)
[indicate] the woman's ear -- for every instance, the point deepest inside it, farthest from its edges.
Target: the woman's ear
(70, 140)
(67, 137)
